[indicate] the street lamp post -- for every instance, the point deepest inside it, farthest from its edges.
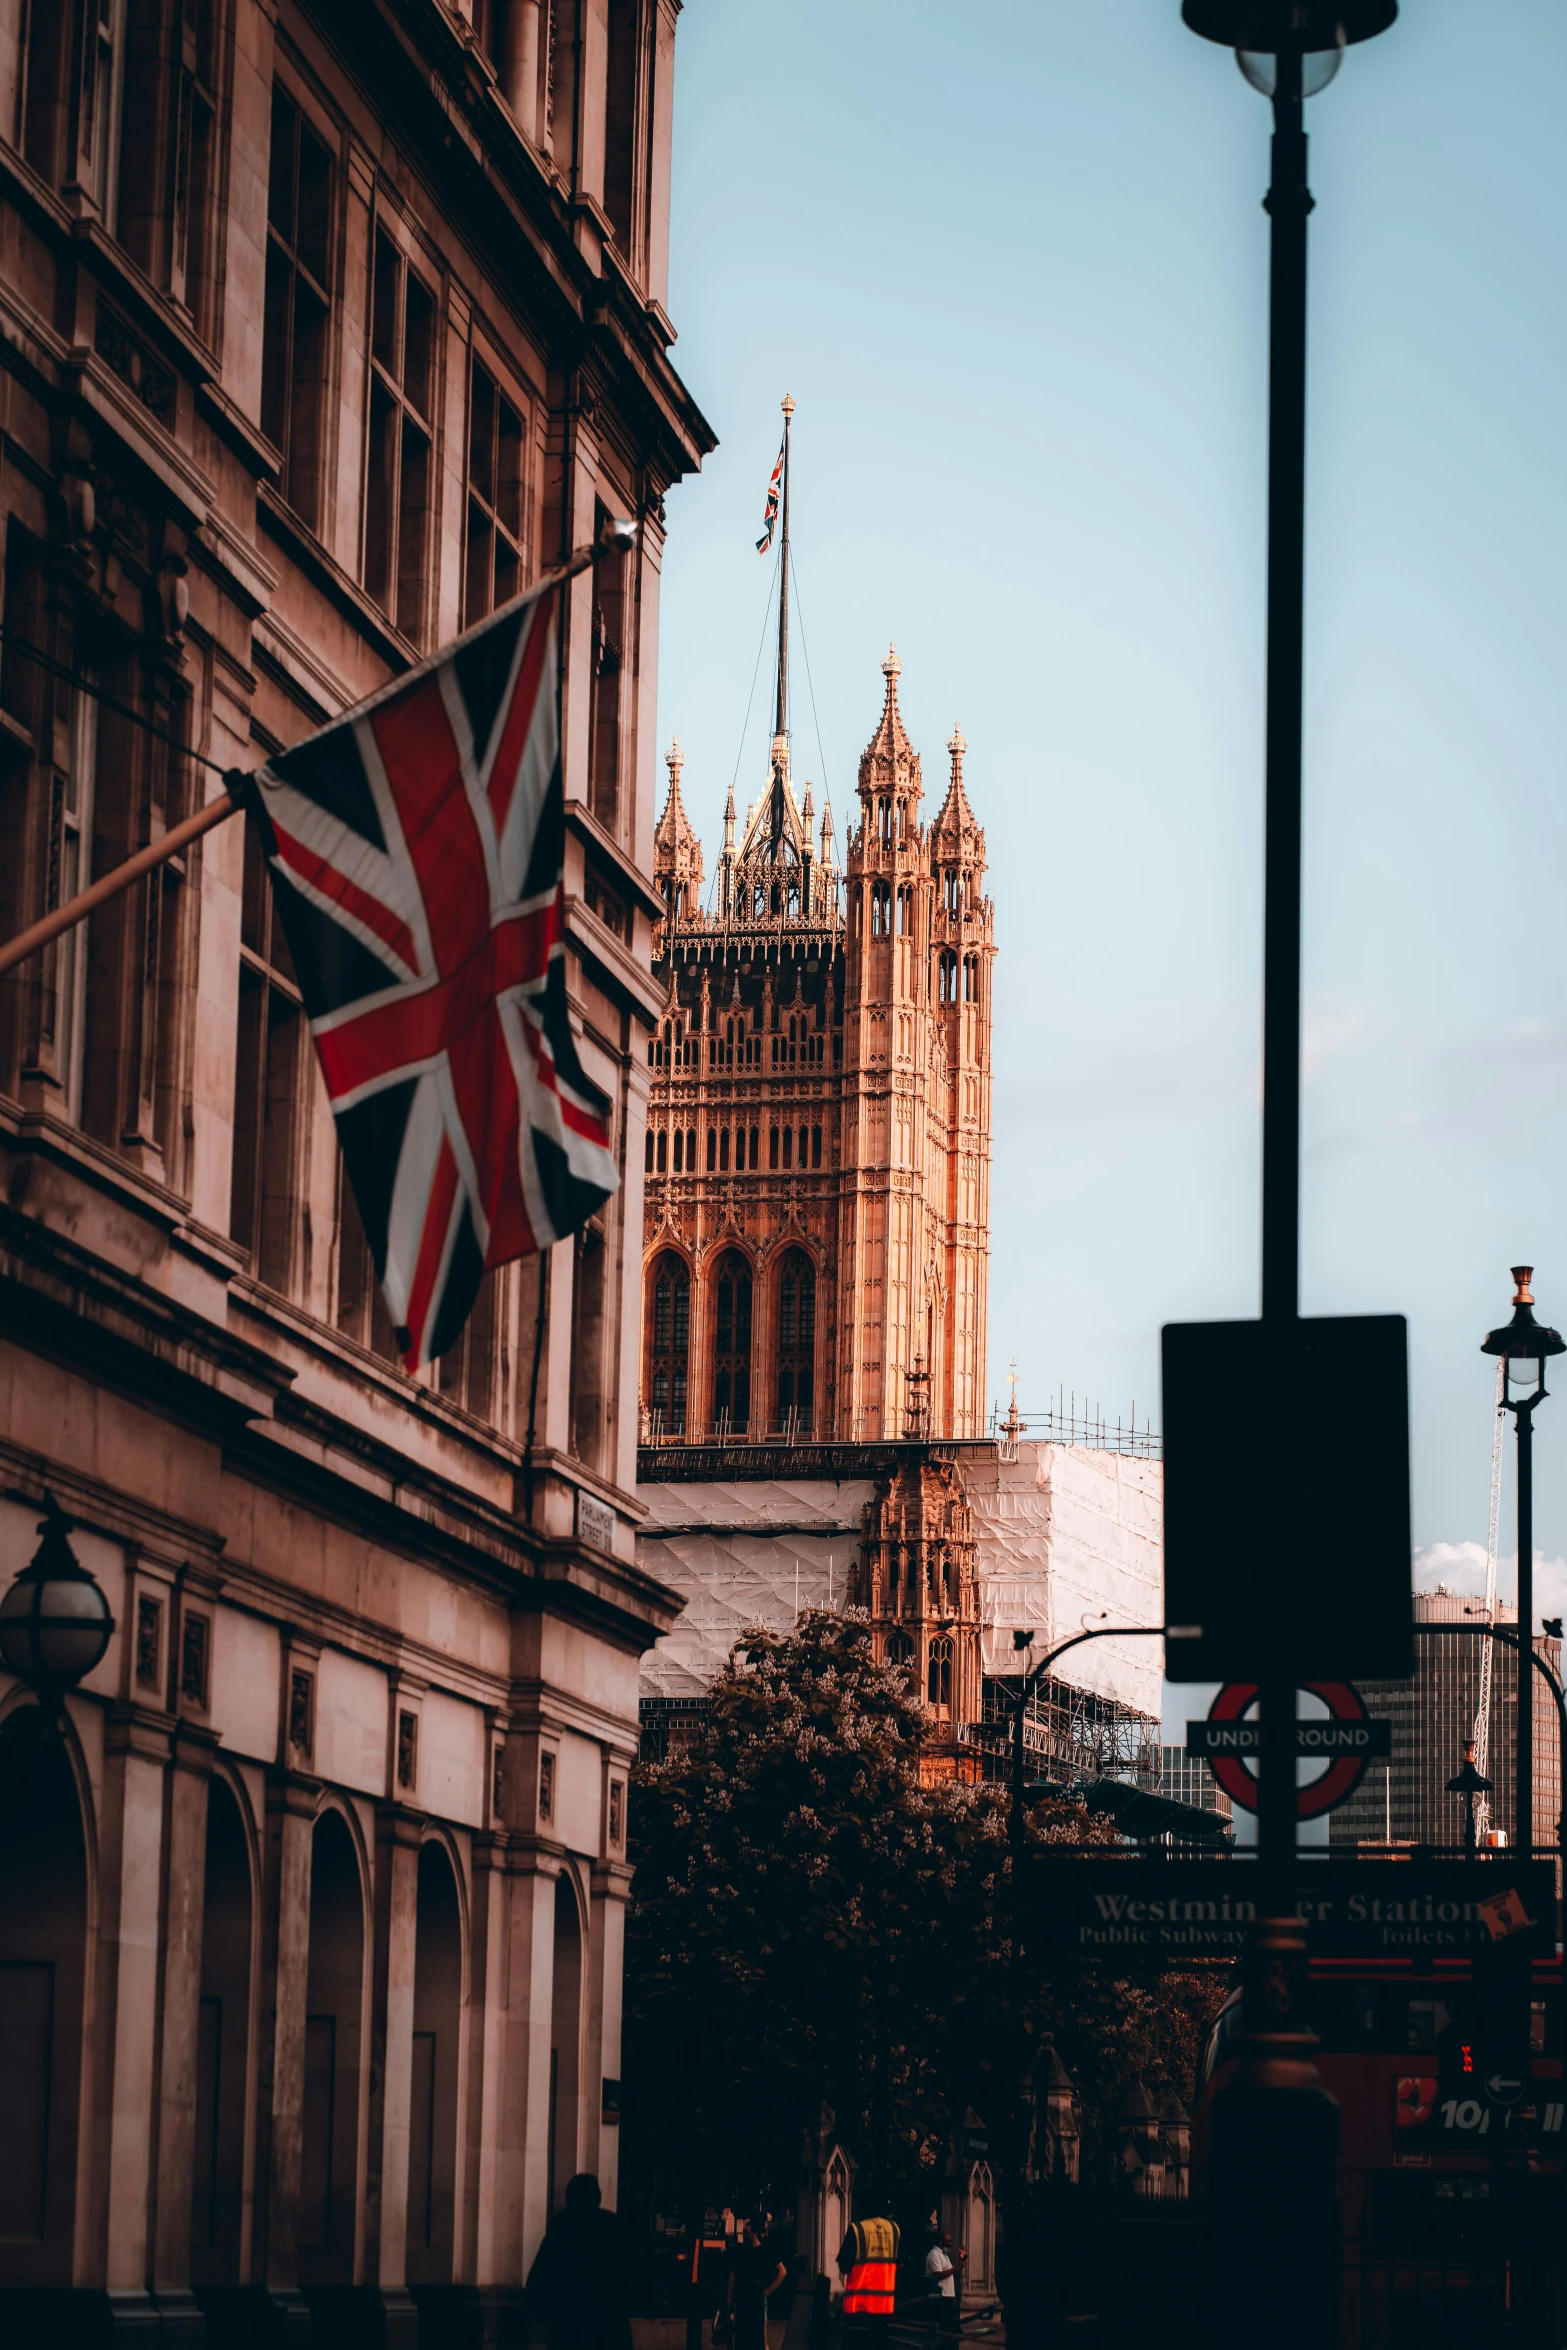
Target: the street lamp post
(1468, 1783)
(1274, 2154)
(1523, 1344)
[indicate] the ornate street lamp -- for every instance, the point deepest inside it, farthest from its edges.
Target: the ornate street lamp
(1523, 1344)
(55, 1623)
(1468, 1783)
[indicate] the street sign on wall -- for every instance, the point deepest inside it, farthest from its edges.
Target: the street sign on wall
(1286, 1539)
(1171, 1911)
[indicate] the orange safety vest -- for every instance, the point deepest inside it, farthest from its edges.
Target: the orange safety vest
(872, 2246)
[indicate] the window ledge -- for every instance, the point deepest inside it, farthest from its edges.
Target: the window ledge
(609, 854)
(278, 518)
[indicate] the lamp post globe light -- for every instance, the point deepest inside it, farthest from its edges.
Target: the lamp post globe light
(55, 1623)
(1523, 1345)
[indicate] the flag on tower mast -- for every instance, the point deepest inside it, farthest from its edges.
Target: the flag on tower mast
(416, 849)
(770, 512)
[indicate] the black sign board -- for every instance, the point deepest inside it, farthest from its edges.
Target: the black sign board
(1172, 1911)
(1285, 1548)
(1312, 1739)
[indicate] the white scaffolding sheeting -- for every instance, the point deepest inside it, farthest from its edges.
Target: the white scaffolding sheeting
(1064, 1533)
(742, 1554)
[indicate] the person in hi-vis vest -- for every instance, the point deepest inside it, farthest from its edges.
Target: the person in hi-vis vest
(868, 2262)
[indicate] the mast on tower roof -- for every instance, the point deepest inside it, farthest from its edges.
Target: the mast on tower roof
(781, 711)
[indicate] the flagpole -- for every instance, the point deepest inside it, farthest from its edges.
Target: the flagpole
(111, 885)
(781, 714)
(618, 535)
(781, 725)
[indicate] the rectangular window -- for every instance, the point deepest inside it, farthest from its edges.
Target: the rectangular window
(398, 471)
(620, 122)
(149, 1641)
(496, 477)
(163, 206)
(609, 634)
(361, 1307)
(295, 351)
(467, 1371)
(97, 124)
(195, 1641)
(269, 1062)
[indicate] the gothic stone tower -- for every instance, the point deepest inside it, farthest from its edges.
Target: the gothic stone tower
(916, 1581)
(818, 1146)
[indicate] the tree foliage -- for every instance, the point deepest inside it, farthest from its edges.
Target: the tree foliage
(810, 1923)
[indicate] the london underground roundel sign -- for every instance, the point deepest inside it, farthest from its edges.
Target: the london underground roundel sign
(1337, 1783)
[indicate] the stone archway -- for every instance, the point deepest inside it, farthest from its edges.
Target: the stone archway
(432, 2118)
(43, 1987)
(217, 2202)
(565, 2043)
(334, 2034)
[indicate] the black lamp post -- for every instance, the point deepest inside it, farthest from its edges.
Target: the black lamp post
(1468, 1783)
(55, 1623)
(1523, 1344)
(1274, 2149)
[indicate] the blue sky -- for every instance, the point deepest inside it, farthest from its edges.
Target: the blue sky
(1013, 268)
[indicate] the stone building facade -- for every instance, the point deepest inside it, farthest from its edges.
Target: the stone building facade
(818, 1151)
(326, 328)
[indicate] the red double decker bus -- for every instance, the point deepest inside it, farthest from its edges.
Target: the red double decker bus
(1455, 2207)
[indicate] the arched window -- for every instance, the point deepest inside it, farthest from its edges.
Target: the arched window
(796, 1340)
(938, 1674)
(881, 909)
(679, 1149)
(884, 814)
(691, 1150)
(663, 1153)
(900, 1650)
(948, 979)
(971, 979)
(732, 1345)
(649, 1161)
(671, 1320)
(954, 893)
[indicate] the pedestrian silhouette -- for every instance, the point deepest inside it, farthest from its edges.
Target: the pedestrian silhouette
(579, 2287)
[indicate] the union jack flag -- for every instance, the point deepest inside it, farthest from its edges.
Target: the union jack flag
(415, 848)
(770, 513)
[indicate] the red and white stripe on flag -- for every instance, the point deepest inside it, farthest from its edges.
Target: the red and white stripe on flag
(416, 849)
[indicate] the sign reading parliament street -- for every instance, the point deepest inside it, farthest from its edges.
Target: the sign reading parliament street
(1174, 1910)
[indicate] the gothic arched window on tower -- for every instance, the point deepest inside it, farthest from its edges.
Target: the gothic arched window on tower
(884, 818)
(663, 1154)
(938, 1674)
(732, 1347)
(881, 909)
(671, 1322)
(796, 1341)
(948, 979)
(954, 893)
(971, 979)
(900, 1651)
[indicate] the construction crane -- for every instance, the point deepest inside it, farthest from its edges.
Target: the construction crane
(1488, 1647)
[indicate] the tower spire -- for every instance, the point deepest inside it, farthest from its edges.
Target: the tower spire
(781, 713)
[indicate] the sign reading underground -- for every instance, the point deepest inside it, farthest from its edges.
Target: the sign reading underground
(1345, 1741)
